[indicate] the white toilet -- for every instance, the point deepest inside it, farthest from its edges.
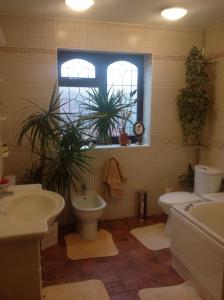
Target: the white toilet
(88, 209)
(206, 181)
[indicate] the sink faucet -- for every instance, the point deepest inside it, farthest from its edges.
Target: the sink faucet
(4, 193)
(83, 189)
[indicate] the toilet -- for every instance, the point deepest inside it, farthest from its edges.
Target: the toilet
(207, 181)
(88, 209)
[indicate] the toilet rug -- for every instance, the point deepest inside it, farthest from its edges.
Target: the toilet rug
(90, 289)
(102, 246)
(153, 237)
(184, 291)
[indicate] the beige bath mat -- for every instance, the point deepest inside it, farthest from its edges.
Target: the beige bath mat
(90, 289)
(184, 291)
(103, 245)
(154, 237)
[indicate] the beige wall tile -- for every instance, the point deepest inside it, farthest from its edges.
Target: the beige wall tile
(40, 33)
(30, 68)
(14, 30)
(213, 133)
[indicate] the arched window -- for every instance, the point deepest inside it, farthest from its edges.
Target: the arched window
(77, 68)
(123, 75)
(79, 72)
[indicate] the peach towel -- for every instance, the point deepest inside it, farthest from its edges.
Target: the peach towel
(113, 179)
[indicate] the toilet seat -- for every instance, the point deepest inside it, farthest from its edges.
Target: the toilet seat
(169, 199)
(214, 196)
(174, 198)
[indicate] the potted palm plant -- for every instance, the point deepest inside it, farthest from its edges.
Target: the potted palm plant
(108, 110)
(59, 158)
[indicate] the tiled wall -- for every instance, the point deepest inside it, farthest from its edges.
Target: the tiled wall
(28, 65)
(214, 136)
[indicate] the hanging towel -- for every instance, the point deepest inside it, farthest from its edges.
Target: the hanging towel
(113, 179)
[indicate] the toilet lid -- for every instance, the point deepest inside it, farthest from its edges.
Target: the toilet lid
(178, 198)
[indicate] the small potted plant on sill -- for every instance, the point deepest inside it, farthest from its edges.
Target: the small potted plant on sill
(123, 136)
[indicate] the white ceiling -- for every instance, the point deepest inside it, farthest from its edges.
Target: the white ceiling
(202, 13)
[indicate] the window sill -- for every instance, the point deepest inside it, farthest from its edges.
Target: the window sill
(116, 146)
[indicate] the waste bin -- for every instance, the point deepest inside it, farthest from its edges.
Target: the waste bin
(142, 204)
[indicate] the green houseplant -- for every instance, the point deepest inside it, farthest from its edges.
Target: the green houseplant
(58, 140)
(193, 101)
(107, 109)
(56, 146)
(187, 179)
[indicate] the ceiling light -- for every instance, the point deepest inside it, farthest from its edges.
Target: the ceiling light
(174, 13)
(79, 5)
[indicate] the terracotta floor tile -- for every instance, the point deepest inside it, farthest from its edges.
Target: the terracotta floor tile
(171, 278)
(164, 256)
(51, 254)
(134, 268)
(120, 224)
(148, 283)
(128, 278)
(115, 287)
(88, 266)
(105, 272)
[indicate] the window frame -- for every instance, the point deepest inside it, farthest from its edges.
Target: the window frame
(101, 61)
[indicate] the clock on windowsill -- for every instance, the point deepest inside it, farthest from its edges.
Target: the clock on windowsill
(139, 130)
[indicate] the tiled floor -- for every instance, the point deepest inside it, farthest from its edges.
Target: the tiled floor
(134, 268)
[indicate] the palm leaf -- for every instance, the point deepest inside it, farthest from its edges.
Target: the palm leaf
(106, 109)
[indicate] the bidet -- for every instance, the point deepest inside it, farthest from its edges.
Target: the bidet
(88, 209)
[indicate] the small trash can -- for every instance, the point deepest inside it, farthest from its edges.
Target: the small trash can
(142, 204)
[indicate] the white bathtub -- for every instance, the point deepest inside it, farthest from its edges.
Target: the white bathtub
(197, 245)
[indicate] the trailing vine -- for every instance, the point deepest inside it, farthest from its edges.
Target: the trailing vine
(193, 101)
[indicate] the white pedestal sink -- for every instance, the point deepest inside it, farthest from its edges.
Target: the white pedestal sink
(24, 220)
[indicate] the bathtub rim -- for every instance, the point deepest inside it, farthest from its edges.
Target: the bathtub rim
(180, 208)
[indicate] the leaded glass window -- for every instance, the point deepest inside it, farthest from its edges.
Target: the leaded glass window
(77, 68)
(78, 72)
(123, 75)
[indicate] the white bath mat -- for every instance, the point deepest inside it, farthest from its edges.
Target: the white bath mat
(184, 291)
(102, 246)
(90, 289)
(154, 237)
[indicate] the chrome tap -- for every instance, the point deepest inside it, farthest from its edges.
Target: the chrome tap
(83, 189)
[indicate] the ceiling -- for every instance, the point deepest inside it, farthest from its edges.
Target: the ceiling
(202, 13)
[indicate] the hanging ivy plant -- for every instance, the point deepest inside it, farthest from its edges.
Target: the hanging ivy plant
(193, 101)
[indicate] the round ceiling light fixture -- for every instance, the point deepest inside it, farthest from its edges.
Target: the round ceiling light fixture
(174, 13)
(79, 5)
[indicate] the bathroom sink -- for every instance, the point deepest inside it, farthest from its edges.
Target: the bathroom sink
(28, 213)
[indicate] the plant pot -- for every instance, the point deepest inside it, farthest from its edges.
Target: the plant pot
(123, 138)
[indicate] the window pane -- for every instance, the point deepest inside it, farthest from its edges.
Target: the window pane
(123, 75)
(77, 68)
(73, 99)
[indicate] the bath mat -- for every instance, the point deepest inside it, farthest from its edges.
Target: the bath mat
(154, 237)
(184, 291)
(103, 245)
(90, 289)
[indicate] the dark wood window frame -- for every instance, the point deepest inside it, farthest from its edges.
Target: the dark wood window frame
(101, 61)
